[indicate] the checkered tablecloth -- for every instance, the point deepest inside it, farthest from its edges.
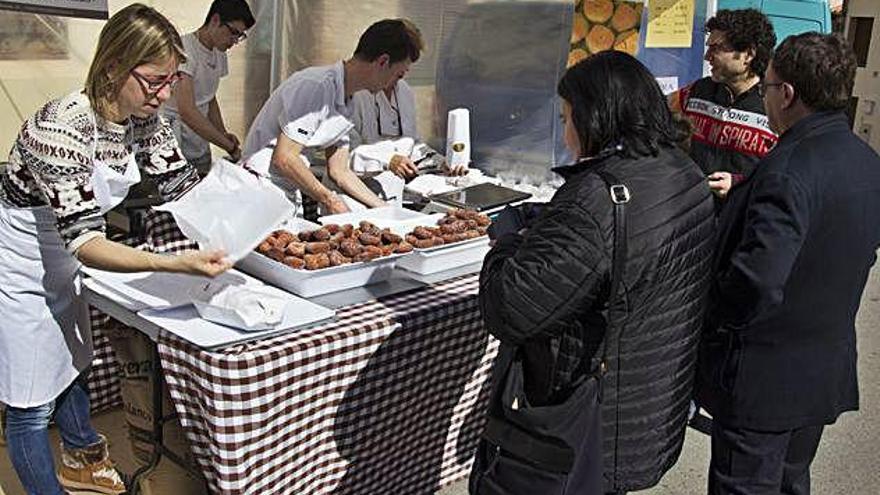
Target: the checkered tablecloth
(387, 399)
(161, 235)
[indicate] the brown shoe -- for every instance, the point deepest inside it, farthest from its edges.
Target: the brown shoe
(90, 468)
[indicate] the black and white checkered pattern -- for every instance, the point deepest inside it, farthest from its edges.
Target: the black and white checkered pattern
(161, 236)
(387, 399)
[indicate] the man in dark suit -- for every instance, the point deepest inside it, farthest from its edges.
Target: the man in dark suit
(778, 361)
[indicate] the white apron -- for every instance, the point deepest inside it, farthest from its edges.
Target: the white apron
(45, 337)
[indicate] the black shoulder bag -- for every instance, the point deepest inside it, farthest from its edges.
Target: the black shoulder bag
(550, 449)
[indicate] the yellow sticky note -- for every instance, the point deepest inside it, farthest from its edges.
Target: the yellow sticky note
(670, 24)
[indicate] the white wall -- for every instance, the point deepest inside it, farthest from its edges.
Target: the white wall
(867, 86)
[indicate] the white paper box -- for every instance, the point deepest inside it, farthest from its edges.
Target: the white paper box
(441, 258)
(400, 220)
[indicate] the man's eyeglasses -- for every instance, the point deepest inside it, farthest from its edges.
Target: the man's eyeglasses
(152, 87)
(238, 35)
(762, 87)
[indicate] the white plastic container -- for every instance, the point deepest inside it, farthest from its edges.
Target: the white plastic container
(310, 283)
(400, 220)
(441, 258)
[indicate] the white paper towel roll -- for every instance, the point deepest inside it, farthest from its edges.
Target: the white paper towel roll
(458, 138)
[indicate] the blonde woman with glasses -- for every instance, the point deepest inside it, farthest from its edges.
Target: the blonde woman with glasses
(73, 161)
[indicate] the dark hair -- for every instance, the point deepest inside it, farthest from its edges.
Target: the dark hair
(820, 67)
(747, 29)
(399, 38)
(230, 11)
(616, 101)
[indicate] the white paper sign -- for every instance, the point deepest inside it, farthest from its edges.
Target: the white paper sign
(93, 9)
(668, 84)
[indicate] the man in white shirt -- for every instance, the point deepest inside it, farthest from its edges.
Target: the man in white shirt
(386, 114)
(390, 115)
(311, 112)
(193, 110)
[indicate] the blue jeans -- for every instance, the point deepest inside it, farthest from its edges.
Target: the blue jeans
(27, 436)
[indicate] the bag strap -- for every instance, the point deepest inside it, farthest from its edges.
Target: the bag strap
(620, 196)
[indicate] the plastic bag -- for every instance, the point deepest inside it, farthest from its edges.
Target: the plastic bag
(239, 306)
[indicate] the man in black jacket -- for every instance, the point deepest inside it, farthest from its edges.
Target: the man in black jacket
(795, 248)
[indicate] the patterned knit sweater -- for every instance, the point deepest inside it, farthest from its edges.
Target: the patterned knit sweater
(51, 163)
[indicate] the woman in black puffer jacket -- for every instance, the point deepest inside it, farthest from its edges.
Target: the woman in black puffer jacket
(545, 289)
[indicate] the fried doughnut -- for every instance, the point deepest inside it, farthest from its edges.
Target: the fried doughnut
(275, 253)
(438, 241)
(332, 228)
(404, 247)
(422, 233)
(317, 247)
(369, 239)
(295, 249)
(285, 237)
(411, 238)
(423, 243)
(366, 226)
(369, 253)
(389, 237)
(264, 247)
(316, 261)
(305, 235)
(350, 247)
(337, 258)
(483, 220)
(388, 249)
(347, 229)
(294, 262)
(321, 235)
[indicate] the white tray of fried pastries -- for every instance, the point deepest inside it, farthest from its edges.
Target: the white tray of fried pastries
(458, 239)
(310, 260)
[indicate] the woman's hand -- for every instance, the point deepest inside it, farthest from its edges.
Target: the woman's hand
(720, 183)
(207, 263)
(402, 167)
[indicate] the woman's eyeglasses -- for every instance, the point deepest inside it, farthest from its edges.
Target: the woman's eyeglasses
(151, 87)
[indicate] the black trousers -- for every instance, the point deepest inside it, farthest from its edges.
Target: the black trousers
(749, 462)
